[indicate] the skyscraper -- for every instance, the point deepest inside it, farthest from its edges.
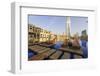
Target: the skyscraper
(68, 27)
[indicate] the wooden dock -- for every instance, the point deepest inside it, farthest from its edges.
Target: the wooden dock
(51, 54)
(65, 56)
(68, 50)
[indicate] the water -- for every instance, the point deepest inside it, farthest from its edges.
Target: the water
(58, 44)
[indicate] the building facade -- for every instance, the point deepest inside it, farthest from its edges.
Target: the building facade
(44, 35)
(37, 34)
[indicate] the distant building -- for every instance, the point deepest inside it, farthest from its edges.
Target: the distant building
(68, 27)
(84, 35)
(61, 37)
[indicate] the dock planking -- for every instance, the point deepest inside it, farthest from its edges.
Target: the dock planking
(37, 57)
(56, 55)
(37, 49)
(77, 52)
(65, 56)
(42, 55)
(43, 50)
(77, 56)
(49, 52)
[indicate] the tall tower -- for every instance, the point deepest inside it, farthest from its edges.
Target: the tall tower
(68, 27)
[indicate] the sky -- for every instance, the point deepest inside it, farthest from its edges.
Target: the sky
(57, 24)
